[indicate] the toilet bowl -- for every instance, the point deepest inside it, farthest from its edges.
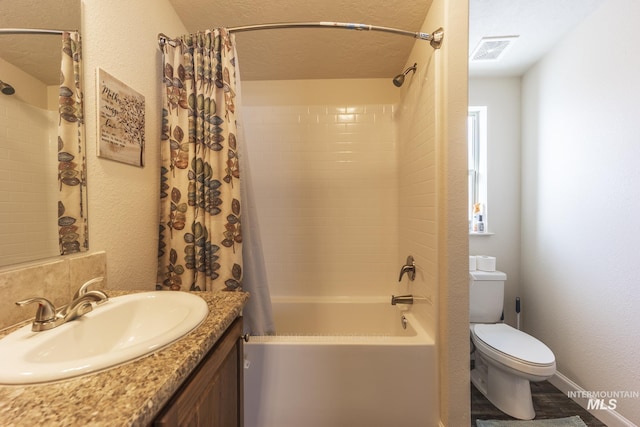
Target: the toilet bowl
(506, 359)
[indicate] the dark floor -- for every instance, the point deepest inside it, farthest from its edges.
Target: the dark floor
(548, 402)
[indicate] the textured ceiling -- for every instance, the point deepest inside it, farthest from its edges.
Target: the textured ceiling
(315, 53)
(38, 55)
(312, 53)
(539, 24)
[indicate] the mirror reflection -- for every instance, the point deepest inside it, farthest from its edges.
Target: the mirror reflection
(42, 184)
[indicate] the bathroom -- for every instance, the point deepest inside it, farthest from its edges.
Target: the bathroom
(116, 38)
(561, 142)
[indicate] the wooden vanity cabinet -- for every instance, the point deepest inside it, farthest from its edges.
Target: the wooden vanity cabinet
(212, 395)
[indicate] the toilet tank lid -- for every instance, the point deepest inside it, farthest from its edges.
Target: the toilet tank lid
(487, 275)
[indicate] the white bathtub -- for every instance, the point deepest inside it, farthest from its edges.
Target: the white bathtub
(341, 362)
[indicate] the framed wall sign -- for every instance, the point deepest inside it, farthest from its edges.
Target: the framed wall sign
(121, 112)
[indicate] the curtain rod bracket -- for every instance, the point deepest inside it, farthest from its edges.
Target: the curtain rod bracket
(435, 38)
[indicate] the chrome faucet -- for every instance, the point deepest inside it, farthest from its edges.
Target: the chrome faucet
(401, 299)
(83, 289)
(409, 268)
(82, 305)
(47, 317)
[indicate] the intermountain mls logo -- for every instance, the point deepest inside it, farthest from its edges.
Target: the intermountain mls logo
(603, 399)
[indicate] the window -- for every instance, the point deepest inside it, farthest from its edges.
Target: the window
(477, 131)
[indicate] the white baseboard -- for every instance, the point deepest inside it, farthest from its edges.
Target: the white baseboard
(608, 416)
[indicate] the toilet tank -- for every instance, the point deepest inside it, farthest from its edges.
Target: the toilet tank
(486, 296)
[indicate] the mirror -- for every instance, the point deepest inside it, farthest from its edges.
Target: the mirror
(42, 191)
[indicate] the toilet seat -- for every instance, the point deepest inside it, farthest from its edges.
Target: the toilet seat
(514, 348)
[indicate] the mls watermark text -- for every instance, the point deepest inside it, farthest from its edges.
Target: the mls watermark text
(603, 400)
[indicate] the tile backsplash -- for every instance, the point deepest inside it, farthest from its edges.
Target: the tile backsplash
(55, 279)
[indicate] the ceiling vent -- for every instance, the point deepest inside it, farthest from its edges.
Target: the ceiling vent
(492, 48)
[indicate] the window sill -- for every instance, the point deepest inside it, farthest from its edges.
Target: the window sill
(471, 233)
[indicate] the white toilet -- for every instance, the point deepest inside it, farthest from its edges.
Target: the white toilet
(506, 359)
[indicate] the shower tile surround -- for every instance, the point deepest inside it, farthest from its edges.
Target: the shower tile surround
(345, 185)
(325, 182)
(55, 279)
(416, 127)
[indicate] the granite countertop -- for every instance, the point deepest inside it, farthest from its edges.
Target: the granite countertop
(126, 395)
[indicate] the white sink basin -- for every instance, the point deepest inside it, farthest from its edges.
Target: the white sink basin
(120, 330)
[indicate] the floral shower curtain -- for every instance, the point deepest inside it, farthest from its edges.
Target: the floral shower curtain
(200, 245)
(72, 203)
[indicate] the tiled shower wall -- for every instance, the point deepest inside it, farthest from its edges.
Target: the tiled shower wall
(28, 156)
(418, 209)
(325, 180)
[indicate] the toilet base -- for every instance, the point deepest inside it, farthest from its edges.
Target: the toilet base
(505, 390)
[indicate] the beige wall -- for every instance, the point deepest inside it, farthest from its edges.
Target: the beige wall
(450, 77)
(120, 37)
(580, 233)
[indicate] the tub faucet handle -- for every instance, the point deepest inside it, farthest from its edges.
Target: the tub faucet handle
(409, 268)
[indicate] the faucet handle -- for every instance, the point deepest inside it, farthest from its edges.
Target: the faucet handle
(83, 289)
(99, 297)
(46, 310)
(409, 268)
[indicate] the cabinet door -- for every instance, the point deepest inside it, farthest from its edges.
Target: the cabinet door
(212, 395)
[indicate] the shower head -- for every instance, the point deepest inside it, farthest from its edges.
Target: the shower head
(6, 88)
(399, 79)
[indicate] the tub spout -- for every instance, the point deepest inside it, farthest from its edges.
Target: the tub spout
(401, 299)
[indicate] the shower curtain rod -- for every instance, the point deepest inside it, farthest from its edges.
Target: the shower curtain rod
(435, 38)
(29, 31)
